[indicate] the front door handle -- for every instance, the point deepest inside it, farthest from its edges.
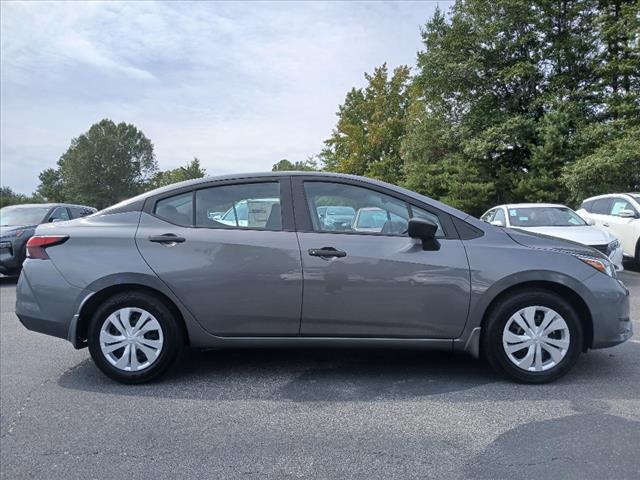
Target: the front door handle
(167, 238)
(605, 224)
(327, 252)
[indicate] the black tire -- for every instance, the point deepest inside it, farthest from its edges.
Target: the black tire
(173, 337)
(492, 345)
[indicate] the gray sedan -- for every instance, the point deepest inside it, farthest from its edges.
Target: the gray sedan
(139, 281)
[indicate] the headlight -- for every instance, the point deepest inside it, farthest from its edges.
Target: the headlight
(600, 264)
(613, 245)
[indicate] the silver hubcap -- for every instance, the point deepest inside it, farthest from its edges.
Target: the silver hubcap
(131, 339)
(536, 338)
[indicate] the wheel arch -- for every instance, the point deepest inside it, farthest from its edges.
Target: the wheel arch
(566, 292)
(106, 290)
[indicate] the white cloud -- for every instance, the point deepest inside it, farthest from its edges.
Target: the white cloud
(238, 85)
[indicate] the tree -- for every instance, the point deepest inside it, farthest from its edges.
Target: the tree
(612, 167)
(519, 92)
(51, 186)
(370, 128)
(108, 163)
(9, 197)
(189, 171)
(284, 165)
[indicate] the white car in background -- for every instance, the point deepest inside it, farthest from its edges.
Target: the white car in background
(620, 212)
(556, 221)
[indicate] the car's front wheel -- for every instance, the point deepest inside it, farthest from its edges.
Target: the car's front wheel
(533, 336)
(133, 337)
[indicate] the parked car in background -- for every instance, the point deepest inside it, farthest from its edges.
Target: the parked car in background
(18, 223)
(337, 218)
(140, 280)
(247, 213)
(556, 221)
(620, 212)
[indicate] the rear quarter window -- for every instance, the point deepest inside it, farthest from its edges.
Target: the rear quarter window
(177, 209)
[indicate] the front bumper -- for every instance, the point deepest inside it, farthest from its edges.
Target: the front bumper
(610, 311)
(11, 255)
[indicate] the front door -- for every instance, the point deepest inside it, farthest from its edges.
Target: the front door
(364, 277)
(230, 254)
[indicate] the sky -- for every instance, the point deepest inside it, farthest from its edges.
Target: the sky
(238, 85)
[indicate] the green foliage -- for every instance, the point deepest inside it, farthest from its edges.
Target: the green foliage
(613, 167)
(9, 197)
(108, 163)
(510, 101)
(371, 124)
(188, 172)
(284, 165)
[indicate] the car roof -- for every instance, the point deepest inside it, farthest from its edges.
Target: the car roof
(49, 205)
(609, 195)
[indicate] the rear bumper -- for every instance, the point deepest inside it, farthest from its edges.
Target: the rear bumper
(45, 302)
(610, 311)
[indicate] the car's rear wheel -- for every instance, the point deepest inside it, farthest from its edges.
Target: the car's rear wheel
(533, 336)
(133, 337)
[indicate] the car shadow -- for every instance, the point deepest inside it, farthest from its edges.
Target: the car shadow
(300, 375)
(368, 375)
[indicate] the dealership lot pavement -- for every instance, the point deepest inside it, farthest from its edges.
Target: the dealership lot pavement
(313, 414)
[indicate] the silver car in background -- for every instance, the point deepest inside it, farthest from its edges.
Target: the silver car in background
(557, 221)
(140, 280)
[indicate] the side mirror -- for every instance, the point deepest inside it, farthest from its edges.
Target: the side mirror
(590, 221)
(426, 231)
(497, 223)
(53, 220)
(627, 214)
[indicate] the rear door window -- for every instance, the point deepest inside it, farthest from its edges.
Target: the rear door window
(245, 206)
(79, 212)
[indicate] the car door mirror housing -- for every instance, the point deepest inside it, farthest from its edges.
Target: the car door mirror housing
(426, 231)
(627, 214)
(497, 223)
(590, 221)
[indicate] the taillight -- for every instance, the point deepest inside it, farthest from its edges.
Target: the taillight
(36, 245)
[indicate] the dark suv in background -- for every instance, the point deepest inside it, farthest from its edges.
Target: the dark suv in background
(18, 224)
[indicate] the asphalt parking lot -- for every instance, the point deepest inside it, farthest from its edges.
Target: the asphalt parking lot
(313, 414)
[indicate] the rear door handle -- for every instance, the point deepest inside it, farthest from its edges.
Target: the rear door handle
(327, 252)
(167, 238)
(605, 224)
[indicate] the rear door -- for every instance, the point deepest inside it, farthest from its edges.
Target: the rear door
(240, 276)
(377, 282)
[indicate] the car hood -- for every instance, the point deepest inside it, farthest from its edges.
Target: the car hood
(586, 234)
(546, 242)
(10, 228)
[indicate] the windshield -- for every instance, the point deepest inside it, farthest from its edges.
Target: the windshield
(544, 217)
(22, 215)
